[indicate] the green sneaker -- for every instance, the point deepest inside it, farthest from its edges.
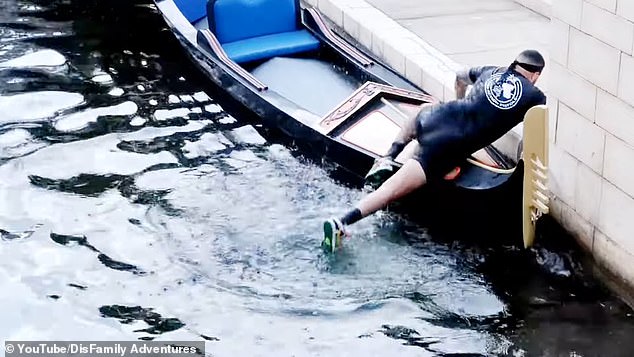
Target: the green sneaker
(382, 169)
(334, 231)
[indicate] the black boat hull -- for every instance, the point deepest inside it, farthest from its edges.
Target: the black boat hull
(477, 195)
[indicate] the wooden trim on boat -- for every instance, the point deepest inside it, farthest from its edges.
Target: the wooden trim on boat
(338, 41)
(217, 49)
(367, 92)
(535, 156)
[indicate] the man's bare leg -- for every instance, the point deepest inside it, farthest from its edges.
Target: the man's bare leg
(411, 150)
(407, 179)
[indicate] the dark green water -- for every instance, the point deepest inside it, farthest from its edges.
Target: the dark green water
(133, 206)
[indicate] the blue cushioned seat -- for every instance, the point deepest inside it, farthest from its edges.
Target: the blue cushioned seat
(281, 44)
(193, 10)
(251, 30)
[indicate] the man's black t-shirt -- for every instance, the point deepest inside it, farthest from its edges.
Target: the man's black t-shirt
(451, 131)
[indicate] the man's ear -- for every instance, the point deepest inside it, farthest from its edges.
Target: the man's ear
(535, 76)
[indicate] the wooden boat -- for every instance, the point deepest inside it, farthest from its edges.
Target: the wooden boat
(300, 74)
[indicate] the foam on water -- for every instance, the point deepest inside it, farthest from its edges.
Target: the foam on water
(164, 114)
(207, 144)
(137, 121)
(103, 78)
(80, 120)
(42, 58)
(116, 92)
(36, 106)
(14, 137)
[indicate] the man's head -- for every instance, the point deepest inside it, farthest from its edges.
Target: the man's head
(530, 63)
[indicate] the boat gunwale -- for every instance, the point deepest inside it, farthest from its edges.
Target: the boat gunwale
(278, 103)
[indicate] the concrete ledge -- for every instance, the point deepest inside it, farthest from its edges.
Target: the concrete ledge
(541, 7)
(403, 51)
(399, 48)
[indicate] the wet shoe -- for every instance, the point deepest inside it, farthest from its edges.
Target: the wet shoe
(334, 231)
(382, 169)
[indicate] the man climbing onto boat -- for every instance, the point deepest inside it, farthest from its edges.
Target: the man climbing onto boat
(448, 133)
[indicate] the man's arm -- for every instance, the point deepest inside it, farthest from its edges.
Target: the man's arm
(462, 82)
(467, 77)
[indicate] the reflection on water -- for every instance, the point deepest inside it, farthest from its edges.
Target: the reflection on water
(135, 207)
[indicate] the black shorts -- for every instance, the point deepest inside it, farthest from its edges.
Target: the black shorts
(441, 137)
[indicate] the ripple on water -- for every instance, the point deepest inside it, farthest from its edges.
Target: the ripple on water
(98, 155)
(41, 58)
(102, 78)
(18, 142)
(257, 232)
(207, 144)
(36, 106)
(82, 119)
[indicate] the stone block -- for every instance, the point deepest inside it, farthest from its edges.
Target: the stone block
(396, 49)
(553, 113)
(433, 81)
(355, 4)
(449, 90)
(614, 257)
(561, 181)
(577, 226)
(378, 44)
(568, 11)
(556, 209)
(572, 90)
(588, 193)
(594, 60)
(618, 168)
(332, 10)
(581, 138)
(615, 216)
(625, 8)
(612, 29)
(559, 41)
(365, 33)
(626, 79)
(615, 116)
(382, 30)
(413, 69)
(609, 5)
(448, 78)
(352, 27)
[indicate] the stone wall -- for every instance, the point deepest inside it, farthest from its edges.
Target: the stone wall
(591, 101)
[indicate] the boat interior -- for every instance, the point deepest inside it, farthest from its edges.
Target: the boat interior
(267, 44)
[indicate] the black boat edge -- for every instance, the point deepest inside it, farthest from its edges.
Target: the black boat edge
(513, 195)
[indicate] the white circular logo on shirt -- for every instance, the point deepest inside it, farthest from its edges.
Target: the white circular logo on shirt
(503, 92)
